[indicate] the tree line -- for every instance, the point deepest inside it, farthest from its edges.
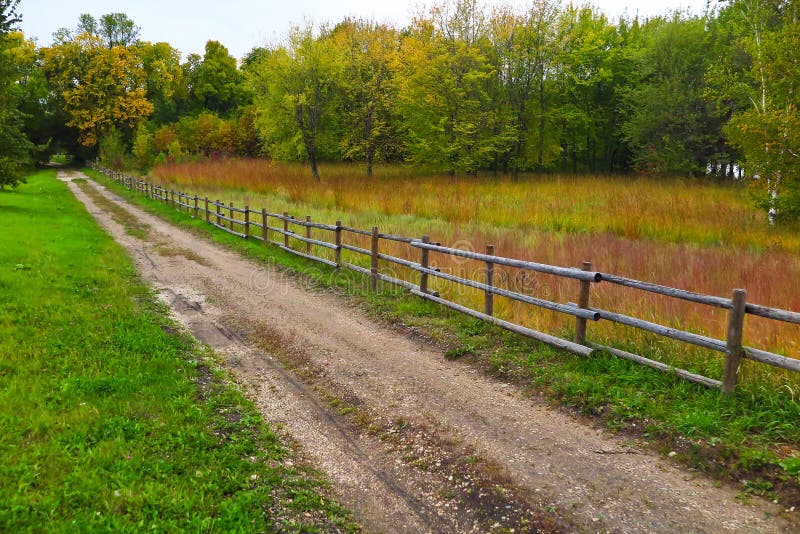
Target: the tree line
(461, 89)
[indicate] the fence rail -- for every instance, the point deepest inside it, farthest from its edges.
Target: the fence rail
(737, 307)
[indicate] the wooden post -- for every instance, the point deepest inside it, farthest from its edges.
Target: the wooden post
(206, 201)
(230, 214)
(734, 351)
(264, 234)
(308, 235)
(583, 302)
(218, 212)
(338, 241)
(286, 229)
(196, 210)
(423, 279)
(246, 221)
(489, 297)
(172, 195)
(166, 197)
(373, 271)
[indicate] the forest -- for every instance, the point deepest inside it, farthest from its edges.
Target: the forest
(462, 89)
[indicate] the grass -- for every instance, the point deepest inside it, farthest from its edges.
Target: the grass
(704, 236)
(111, 419)
(743, 437)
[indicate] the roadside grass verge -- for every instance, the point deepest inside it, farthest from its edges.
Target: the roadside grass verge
(112, 420)
(741, 439)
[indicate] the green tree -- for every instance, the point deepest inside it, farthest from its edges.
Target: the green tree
(295, 90)
(444, 91)
(215, 82)
(367, 91)
(15, 55)
(670, 125)
(767, 128)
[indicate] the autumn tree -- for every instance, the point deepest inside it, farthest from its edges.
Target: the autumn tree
(100, 88)
(767, 127)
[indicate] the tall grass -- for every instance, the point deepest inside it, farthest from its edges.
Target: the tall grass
(699, 235)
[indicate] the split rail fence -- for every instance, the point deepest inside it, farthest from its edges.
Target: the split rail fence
(263, 225)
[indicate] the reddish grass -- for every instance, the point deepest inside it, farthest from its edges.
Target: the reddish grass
(705, 237)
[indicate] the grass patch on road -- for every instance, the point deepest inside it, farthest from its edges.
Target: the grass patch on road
(112, 421)
(743, 438)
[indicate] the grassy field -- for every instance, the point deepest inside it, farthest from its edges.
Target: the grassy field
(112, 421)
(703, 236)
(741, 438)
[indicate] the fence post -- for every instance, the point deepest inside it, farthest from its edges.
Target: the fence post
(205, 199)
(218, 212)
(423, 278)
(338, 241)
(734, 351)
(166, 197)
(583, 302)
(196, 210)
(246, 221)
(373, 271)
(308, 235)
(264, 234)
(230, 213)
(488, 307)
(172, 195)
(286, 229)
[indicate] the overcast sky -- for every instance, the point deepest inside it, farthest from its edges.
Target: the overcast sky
(242, 25)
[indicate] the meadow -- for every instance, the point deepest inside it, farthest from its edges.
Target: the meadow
(700, 235)
(112, 420)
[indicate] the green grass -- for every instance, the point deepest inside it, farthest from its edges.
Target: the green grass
(110, 420)
(744, 436)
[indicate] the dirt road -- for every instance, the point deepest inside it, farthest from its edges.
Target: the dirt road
(399, 454)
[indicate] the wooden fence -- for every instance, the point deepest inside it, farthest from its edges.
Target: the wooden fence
(266, 226)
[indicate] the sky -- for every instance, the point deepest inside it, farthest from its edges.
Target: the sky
(241, 25)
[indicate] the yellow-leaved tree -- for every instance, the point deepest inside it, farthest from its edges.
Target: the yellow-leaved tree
(101, 88)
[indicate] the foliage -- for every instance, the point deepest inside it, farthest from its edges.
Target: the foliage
(16, 56)
(215, 83)
(9, 18)
(294, 88)
(102, 89)
(767, 128)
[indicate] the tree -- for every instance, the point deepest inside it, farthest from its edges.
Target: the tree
(165, 80)
(15, 54)
(367, 91)
(670, 124)
(444, 86)
(9, 19)
(767, 130)
(101, 89)
(215, 82)
(295, 98)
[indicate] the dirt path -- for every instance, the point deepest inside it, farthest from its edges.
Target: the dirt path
(590, 481)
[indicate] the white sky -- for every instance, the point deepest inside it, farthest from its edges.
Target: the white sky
(242, 25)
